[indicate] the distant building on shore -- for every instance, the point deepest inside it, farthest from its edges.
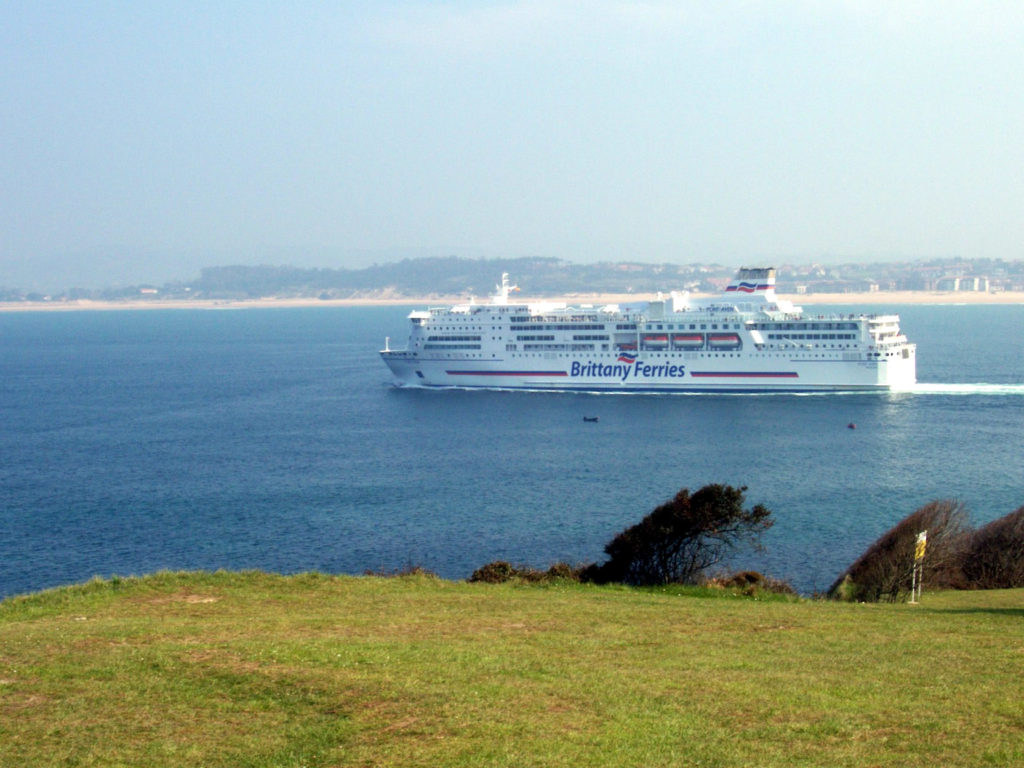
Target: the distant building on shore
(962, 284)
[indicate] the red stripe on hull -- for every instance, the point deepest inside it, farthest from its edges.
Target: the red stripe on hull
(747, 375)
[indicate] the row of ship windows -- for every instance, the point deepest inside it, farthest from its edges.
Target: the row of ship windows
(558, 347)
(437, 326)
(662, 327)
(534, 326)
(604, 347)
(693, 327)
(804, 326)
(701, 355)
(689, 355)
(628, 327)
(573, 327)
(806, 346)
(605, 337)
(579, 337)
(812, 336)
(568, 347)
(594, 337)
(534, 319)
(451, 342)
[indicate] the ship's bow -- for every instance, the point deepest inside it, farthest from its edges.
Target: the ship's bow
(402, 366)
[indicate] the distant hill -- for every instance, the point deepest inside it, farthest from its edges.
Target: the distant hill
(457, 276)
(447, 277)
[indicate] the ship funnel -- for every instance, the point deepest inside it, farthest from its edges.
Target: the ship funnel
(753, 280)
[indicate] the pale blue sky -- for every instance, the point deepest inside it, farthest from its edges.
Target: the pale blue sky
(141, 141)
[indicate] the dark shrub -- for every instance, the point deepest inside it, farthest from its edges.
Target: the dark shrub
(778, 586)
(752, 582)
(995, 554)
(742, 579)
(494, 573)
(563, 572)
(500, 571)
(406, 570)
(884, 571)
(681, 539)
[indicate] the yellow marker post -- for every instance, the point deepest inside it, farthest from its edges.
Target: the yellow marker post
(915, 584)
(919, 547)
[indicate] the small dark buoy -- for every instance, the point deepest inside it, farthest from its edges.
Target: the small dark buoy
(851, 425)
(590, 418)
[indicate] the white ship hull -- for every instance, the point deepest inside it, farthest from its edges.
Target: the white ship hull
(684, 372)
(746, 341)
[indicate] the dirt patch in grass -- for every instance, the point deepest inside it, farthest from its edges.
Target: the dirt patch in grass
(190, 598)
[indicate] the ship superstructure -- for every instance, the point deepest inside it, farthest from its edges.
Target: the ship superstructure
(745, 339)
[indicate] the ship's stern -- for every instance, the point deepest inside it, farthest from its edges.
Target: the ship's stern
(900, 371)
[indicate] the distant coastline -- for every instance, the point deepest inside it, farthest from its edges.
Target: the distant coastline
(453, 279)
(893, 298)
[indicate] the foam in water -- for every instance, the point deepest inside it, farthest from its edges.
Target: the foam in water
(924, 388)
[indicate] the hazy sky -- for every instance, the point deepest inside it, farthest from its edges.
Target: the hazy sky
(144, 140)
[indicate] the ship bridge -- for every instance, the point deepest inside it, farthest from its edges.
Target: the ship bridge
(885, 330)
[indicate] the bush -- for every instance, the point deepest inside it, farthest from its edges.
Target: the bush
(884, 571)
(752, 582)
(496, 572)
(405, 571)
(563, 572)
(499, 571)
(681, 539)
(994, 557)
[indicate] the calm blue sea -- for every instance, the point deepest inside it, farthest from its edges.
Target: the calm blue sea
(132, 441)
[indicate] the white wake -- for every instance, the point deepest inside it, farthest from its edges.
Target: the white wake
(924, 388)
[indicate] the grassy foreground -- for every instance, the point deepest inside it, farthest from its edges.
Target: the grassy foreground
(251, 669)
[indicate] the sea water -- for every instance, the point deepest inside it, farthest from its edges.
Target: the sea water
(273, 438)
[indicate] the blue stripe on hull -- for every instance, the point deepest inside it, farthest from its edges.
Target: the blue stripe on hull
(507, 373)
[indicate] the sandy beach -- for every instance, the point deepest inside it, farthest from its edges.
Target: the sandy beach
(894, 298)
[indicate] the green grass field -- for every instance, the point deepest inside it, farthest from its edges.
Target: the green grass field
(250, 669)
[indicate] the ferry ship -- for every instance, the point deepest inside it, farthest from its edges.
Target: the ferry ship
(745, 340)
